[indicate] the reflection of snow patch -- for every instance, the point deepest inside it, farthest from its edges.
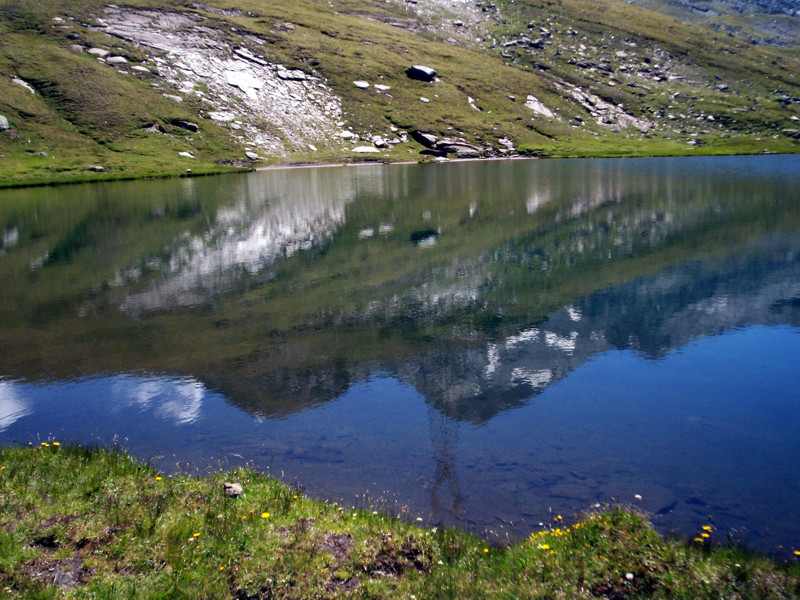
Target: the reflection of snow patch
(560, 342)
(574, 314)
(530, 335)
(494, 360)
(12, 406)
(537, 379)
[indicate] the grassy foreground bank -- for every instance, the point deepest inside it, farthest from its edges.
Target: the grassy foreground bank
(86, 523)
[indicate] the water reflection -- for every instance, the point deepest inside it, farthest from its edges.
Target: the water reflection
(427, 317)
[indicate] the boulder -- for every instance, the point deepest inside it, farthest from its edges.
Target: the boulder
(76, 48)
(98, 52)
(361, 84)
(421, 73)
(252, 155)
(426, 139)
(4, 124)
(116, 60)
(459, 148)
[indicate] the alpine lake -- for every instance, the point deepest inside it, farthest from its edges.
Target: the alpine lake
(485, 345)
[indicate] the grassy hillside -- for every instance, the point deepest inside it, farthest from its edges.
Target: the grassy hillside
(612, 78)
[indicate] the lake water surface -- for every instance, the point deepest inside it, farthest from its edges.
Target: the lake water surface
(483, 344)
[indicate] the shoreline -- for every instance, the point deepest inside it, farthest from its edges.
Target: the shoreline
(98, 523)
(228, 170)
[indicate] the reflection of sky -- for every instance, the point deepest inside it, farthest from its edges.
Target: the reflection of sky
(709, 429)
(175, 400)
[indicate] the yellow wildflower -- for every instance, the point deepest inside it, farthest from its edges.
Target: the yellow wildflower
(544, 546)
(265, 515)
(704, 535)
(45, 444)
(706, 528)
(486, 550)
(158, 478)
(56, 444)
(196, 534)
(699, 540)
(796, 552)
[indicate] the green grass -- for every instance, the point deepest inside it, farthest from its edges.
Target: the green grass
(91, 523)
(88, 114)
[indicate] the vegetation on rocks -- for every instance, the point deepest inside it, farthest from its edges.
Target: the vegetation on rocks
(93, 92)
(90, 523)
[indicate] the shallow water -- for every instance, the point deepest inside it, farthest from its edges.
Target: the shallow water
(479, 344)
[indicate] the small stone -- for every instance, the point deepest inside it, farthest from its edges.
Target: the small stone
(382, 88)
(140, 69)
(347, 135)
(629, 576)
(252, 155)
(186, 154)
(233, 489)
(98, 52)
(173, 98)
(116, 60)
(361, 84)
(95, 168)
(312, 147)
(76, 48)
(424, 99)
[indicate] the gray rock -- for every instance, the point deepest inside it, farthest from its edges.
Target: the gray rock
(98, 52)
(96, 168)
(252, 155)
(4, 124)
(426, 139)
(173, 98)
(365, 149)
(76, 48)
(186, 154)
(459, 148)
(421, 73)
(361, 84)
(116, 60)
(153, 128)
(382, 88)
(291, 75)
(140, 69)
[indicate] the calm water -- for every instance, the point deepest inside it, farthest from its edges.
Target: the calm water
(481, 344)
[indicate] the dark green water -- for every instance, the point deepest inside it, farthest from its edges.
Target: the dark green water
(481, 343)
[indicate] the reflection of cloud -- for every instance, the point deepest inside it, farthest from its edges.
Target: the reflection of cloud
(177, 400)
(12, 406)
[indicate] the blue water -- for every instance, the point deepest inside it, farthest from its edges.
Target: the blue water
(553, 345)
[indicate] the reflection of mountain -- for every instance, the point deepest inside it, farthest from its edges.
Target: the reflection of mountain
(273, 218)
(283, 288)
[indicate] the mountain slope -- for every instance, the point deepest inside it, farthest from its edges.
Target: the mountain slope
(92, 90)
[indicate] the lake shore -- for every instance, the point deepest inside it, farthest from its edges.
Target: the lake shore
(79, 523)
(134, 172)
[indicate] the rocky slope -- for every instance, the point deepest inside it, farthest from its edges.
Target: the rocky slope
(97, 90)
